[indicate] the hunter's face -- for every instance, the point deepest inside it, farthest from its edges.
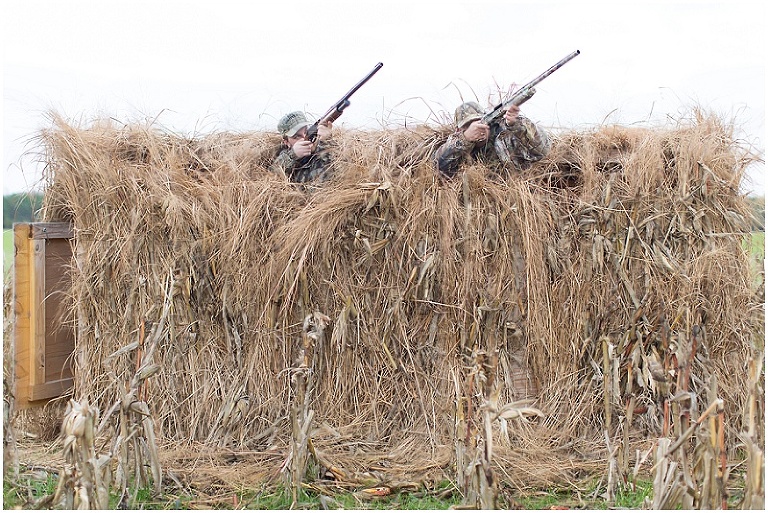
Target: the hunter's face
(298, 136)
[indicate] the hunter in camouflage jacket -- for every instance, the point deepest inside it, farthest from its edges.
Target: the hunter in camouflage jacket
(517, 145)
(313, 161)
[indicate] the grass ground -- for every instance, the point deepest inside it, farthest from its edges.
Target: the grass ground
(30, 488)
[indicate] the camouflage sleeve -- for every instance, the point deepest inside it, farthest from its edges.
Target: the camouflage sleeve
(452, 153)
(284, 163)
(525, 141)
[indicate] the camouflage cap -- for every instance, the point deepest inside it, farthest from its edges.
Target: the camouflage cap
(292, 123)
(468, 112)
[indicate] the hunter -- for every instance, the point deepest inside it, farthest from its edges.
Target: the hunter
(514, 142)
(300, 159)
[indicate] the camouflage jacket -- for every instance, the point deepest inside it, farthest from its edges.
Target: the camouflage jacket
(517, 146)
(317, 167)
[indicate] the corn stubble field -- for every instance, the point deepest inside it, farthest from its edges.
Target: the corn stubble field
(590, 331)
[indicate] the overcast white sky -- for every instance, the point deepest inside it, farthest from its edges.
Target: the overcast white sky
(221, 65)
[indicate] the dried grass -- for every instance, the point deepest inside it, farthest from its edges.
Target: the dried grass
(618, 245)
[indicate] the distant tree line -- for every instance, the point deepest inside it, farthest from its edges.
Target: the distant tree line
(20, 208)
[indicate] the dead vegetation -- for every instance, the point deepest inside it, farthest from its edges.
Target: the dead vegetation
(530, 330)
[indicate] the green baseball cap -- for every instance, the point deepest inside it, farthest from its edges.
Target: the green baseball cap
(292, 123)
(468, 112)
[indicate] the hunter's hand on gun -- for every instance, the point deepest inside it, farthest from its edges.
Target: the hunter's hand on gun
(476, 132)
(304, 146)
(510, 116)
(323, 133)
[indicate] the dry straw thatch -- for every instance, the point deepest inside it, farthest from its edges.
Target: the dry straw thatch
(587, 276)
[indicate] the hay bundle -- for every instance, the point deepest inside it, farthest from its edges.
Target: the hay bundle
(650, 255)
(589, 273)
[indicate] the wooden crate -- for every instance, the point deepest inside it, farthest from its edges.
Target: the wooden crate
(43, 330)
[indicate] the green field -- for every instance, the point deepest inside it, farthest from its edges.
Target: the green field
(7, 250)
(758, 245)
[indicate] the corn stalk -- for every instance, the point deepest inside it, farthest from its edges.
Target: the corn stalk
(754, 489)
(85, 481)
(474, 448)
(691, 468)
(302, 381)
